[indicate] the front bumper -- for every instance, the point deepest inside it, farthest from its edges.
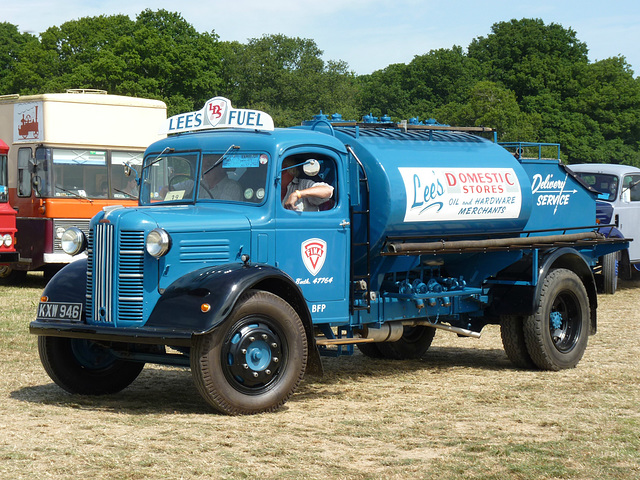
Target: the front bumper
(153, 336)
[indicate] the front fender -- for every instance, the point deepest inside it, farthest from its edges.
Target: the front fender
(69, 284)
(611, 232)
(219, 287)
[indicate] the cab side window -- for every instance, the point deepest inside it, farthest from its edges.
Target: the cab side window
(632, 184)
(309, 183)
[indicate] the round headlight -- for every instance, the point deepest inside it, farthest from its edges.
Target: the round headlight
(73, 241)
(158, 242)
(7, 241)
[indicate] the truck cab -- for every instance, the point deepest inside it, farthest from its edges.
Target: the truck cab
(618, 204)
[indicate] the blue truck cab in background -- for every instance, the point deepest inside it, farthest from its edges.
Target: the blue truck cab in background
(426, 227)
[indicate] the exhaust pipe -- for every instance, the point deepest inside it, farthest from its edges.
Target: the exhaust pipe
(460, 331)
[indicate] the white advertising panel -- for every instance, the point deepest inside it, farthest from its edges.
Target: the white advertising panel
(446, 194)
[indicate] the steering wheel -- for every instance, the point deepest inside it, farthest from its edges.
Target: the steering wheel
(176, 179)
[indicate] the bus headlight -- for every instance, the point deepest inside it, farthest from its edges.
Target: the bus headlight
(158, 242)
(73, 241)
(7, 241)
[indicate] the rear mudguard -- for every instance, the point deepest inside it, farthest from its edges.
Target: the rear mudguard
(523, 299)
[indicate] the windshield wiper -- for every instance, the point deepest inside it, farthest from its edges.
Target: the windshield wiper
(74, 193)
(126, 193)
(235, 147)
(158, 158)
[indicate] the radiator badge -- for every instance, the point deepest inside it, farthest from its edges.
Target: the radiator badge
(314, 252)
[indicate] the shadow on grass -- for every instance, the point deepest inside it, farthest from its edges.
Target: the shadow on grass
(161, 390)
(155, 391)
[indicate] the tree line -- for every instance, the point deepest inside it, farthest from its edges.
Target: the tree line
(529, 80)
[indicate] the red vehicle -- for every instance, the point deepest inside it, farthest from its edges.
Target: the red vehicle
(7, 214)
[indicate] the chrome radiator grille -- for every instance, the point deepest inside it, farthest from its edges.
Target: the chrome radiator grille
(109, 257)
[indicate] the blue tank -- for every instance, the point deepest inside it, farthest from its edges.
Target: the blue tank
(427, 183)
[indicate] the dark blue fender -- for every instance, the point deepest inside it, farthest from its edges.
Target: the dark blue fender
(220, 287)
(611, 232)
(69, 284)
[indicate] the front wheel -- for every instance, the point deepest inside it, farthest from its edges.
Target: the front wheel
(610, 272)
(556, 334)
(255, 360)
(85, 367)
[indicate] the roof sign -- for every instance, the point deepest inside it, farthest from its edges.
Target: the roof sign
(218, 113)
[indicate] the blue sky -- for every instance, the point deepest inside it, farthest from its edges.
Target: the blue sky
(367, 34)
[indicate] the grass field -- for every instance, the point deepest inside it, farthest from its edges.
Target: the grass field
(461, 412)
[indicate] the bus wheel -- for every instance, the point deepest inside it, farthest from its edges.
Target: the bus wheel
(9, 276)
(610, 272)
(255, 360)
(512, 333)
(85, 367)
(413, 344)
(556, 334)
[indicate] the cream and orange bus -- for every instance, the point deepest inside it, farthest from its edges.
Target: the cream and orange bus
(66, 162)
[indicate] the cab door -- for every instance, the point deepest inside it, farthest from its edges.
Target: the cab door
(312, 246)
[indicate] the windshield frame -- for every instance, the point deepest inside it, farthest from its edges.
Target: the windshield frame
(251, 167)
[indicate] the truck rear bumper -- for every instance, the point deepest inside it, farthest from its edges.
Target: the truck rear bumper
(111, 334)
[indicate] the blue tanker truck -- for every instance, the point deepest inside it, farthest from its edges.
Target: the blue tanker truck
(254, 250)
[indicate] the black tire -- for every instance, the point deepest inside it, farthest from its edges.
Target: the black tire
(255, 360)
(610, 272)
(84, 367)
(556, 334)
(512, 333)
(413, 344)
(370, 350)
(9, 276)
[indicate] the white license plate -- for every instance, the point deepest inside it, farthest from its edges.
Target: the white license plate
(60, 311)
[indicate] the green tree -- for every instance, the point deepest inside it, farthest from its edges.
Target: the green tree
(415, 90)
(286, 77)
(491, 105)
(530, 58)
(14, 46)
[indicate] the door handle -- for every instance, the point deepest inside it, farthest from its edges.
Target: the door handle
(345, 223)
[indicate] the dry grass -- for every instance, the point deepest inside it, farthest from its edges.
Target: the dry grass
(462, 412)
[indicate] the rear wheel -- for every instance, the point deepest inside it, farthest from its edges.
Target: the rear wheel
(413, 344)
(370, 350)
(512, 333)
(255, 360)
(556, 334)
(85, 367)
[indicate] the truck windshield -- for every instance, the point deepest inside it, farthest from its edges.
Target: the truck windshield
(232, 177)
(79, 173)
(607, 185)
(4, 185)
